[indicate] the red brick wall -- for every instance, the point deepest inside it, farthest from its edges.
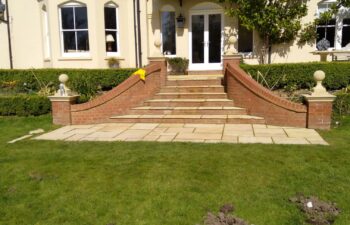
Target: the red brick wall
(319, 115)
(259, 101)
(132, 92)
(61, 112)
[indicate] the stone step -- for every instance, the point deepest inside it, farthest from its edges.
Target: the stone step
(149, 110)
(205, 119)
(190, 95)
(203, 82)
(193, 89)
(195, 77)
(188, 102)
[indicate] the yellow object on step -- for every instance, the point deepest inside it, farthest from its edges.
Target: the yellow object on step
(141, 73)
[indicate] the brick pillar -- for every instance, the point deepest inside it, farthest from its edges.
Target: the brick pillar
(319, 112)
(319, 105)
(164, 72)
(61, 109)
(231, 59)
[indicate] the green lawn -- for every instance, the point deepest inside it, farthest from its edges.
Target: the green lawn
(48, 183)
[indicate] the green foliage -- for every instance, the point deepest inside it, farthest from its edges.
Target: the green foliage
(24, 105)
(83, 81)
(178, 65)
(300, 75)
(277, 21)
(341, 104)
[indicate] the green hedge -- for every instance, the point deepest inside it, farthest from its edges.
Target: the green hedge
(341, 105)
(300, 75)
(24, 105)
(86, 82)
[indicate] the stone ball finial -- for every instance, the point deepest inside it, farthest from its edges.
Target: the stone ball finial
(157, 43)
(232, 40)
(63, 78)
(319, 75)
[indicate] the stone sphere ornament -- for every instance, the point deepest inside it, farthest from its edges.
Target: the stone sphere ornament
(319, 75)
(232, 40)
(63, 78)
(157, 43)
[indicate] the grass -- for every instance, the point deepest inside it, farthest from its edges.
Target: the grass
(44, 182)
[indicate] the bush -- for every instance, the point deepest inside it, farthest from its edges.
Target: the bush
(300, 75)
(341, 105)
(86, 82)
(24, 105)
(178, 65)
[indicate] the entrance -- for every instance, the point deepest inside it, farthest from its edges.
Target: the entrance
(206, 41)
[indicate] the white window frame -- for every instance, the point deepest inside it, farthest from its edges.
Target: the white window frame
(77, 53)
(167, 9)
(116, 7)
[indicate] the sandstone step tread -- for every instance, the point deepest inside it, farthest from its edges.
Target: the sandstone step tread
(188, 117)
(195, 77)
(188, 108)
(200, 93)
(196, 86)
(190, 100)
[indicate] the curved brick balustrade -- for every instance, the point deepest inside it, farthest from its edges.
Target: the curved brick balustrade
(131, 93)
(119, 100)
(259, 101)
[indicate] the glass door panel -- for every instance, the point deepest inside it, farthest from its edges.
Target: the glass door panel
(197, 38)
(214, 44)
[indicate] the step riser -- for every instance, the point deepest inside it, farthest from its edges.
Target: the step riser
(199, 121)
(180, 89)
(193, 82)
(192, 96)
(188, 104)
(187, 112)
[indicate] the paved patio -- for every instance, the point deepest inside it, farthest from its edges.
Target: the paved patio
(202, 133)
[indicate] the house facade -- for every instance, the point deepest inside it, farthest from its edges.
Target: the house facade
(86, 33)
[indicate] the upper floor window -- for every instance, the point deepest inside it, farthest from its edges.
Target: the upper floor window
(327, 31)
(111, 29)
(168, 33)
(245, 39)
(74, 29)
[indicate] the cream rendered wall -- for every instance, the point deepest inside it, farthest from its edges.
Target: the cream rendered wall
(98, 56)
(25, 35)
(4, 50)
(290, 52)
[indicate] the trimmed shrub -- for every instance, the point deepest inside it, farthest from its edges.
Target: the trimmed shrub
(300, 75)
(86, 82)
(341, 105)
(24, 105)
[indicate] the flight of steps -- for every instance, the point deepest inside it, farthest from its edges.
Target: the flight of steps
(190, 99)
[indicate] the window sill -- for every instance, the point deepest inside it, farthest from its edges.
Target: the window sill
(117, 57)
(74, 59)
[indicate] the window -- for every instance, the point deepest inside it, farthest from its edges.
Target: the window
(345, 32)
(327, 31)
(168, 33)
(74, 29)
(245, 39)
(111, 29)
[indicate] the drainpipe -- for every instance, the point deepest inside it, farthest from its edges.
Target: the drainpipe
(7, 21)
(137, 33)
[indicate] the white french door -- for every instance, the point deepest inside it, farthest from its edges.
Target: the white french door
(206, 40)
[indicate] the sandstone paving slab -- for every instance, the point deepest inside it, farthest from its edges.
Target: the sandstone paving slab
(255, 140)
(173, 132)
(199, 136)
(144, 126)
(266, 132)
(290, 141)
(169, 125)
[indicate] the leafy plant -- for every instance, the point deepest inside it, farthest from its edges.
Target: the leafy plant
(275, 26)
(178, 65)
(113, 62)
